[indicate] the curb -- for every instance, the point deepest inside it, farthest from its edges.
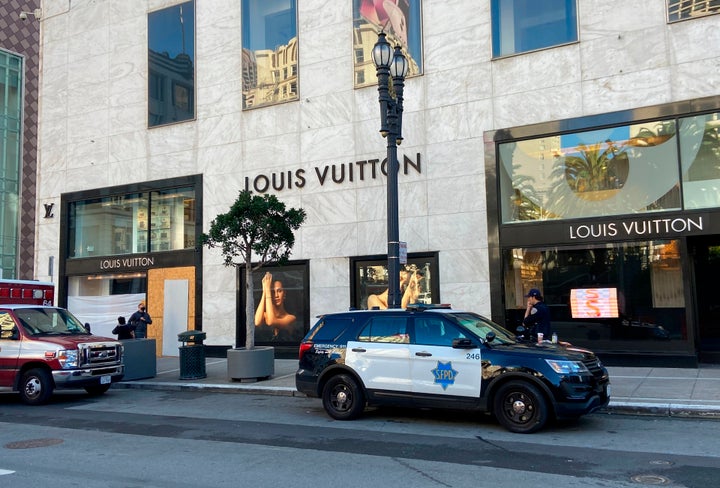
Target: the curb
(618, 407)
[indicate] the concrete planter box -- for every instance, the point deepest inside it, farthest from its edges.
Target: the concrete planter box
(139, 359)
(251, 364)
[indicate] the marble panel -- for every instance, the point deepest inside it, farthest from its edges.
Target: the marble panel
(221, 191)
(332, 207)
(602, 18)
(126, 171)
(326, 241)
(87, 153)
(329, 273)
(221, 161)
(84, 14)
(413, 197)
(328, 299)
(537, 70)
(86, 178)
(474, 296)
(122, 11)
(689, 41)
(449, 15)
(51, 184)
(315, 79)
(53, 105)
(277, 152)
(366, 106)
(88, 44)
(171, 165)
(456, 159)
(127, 145)
(637, 89)
(212, 131)
(371, 203)
(531, 107)
(334, 142)
(414, 231)
(55, 55)
(216, 275)
(321, 46)
(372, 237)
(87, 97)
(87, 126)
(128, 34)
(131, 117)
(52, 159)
(219, 99)
(327, 111)
(448, 195)
(127, 84)
(631, 51)
(441, 51)
(265, 121)
(695, 79)
(218, 66)
(464, 266)
(458, 85)
(172, 138)
(462, 230)
(315, 15)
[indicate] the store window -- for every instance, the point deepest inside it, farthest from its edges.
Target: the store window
(690, 9)
(11, 102)
(615, 171)
(401, 20)
(269, 52)
(132, 223)
(281, 297)
(520, 26)
(171, 64)
(700, 156)
(606, 297)
(418, 281)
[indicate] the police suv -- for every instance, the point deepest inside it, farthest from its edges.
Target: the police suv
(437, 357)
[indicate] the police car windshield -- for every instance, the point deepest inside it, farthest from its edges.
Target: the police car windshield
(481, 326)
(49, 321)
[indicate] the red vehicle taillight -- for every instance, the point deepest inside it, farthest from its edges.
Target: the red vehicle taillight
(304, 347)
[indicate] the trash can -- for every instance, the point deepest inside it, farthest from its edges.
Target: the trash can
(192, 355)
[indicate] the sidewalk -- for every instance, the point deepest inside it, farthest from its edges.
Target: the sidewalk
(677, 392)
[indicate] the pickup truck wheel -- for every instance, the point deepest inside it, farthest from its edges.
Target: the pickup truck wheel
(520, 407)
(343, 399)
(97, 390)
(36, 386)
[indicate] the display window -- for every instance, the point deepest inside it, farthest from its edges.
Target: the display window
(418, 281)
(400, 20)
(281, 299)
(605, 297)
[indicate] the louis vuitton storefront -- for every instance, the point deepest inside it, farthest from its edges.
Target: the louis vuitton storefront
(617, 219)
(131, 243)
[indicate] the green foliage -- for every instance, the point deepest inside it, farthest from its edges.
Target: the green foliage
(258, 227)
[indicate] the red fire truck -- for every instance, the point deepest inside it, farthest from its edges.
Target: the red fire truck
(27, 292)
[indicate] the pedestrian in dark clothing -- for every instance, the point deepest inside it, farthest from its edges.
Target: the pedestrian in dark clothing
(139, 321)
(537, 316)
(122, 329)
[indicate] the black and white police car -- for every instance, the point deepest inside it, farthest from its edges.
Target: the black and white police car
(436, 357)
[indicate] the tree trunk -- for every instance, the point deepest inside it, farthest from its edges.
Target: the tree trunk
(249, 309)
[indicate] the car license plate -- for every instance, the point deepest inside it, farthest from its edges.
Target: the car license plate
(106, 379)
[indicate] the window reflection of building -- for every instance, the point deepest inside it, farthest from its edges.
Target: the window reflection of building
(270, 76)
(171, 67)
(688, 9)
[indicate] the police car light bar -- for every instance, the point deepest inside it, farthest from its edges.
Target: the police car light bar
(419, 307)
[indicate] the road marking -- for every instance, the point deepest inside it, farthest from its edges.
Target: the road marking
(5, 471)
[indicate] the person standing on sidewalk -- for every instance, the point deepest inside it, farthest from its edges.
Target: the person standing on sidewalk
(537, 315)
(139, 321)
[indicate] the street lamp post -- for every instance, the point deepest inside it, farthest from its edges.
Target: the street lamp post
(391, 64)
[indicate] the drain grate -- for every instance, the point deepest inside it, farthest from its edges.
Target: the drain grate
(650, 479)
(33, 443)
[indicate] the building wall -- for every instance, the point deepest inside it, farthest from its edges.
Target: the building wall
(22, 37)
(94, 124)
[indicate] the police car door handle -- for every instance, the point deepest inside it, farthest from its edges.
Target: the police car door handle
(423, 354)
(358, 349)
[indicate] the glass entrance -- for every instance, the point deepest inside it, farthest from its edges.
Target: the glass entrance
(706, 251)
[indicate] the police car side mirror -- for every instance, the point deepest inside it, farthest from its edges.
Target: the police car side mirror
(489, 337)
(463, 343)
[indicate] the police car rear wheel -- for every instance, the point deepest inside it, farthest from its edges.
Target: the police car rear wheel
(520, 407)
(343, 398)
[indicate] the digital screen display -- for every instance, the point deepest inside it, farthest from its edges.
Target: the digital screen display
(593, 303)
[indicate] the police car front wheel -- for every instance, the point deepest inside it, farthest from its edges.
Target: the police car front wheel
(520, 407)
(343, 399)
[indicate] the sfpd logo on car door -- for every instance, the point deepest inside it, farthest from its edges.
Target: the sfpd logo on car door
(444, 374)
